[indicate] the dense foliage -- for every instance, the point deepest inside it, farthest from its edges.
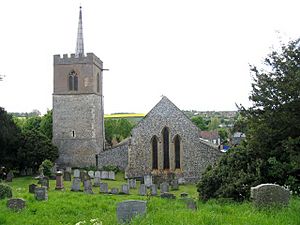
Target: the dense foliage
(272, 151)
(117, 129)
(5, 191)
(46, 166)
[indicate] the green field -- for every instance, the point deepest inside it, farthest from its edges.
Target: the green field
(66, 207)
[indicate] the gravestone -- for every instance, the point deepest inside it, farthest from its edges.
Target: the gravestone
(184, 195)
(44, 182)
(54, 169)
(104, 175)
(132, 183)
(31, 188)
(153, 189)
(148, 180)
(77, 173)
(67, 176)
(143, 190)
(98, 174)
(68, 169)
(29, 172)
(76, 184)
(125, 189)
(164, 187)
(16, 204)
(97, 179)
(83, 176)
(265, 195)
(10, 176)
(91, 174)
(167, 195)
(181, 180)
(87, 184)
(190, 203)
(41, 193)
(114, 191)
(111, 175)
(174, 185)
(103, 188)
(126, 210)
(59, 180)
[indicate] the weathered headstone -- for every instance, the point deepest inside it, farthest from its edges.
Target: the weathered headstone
(68, 169)
(87, 184)
(128, 209)
(125, 189)
(98, 174)
(184, 195)
(91, 174)
(104, 175)
(76, 184)
(132, 183)
(181, 180)
(97, 179)
(143, 190)
(190, 203)
(265, 195)
(44, 182)
(67, 176)
(83, 175)
(111, 175)
(59, 180)
(153, 189)
(164, 187)
(16, 204)
(41, 193)
(174, 185)
(103, 188)
(114, 191)
(167, 195)
(31, 188)
(10, 176)
(77, 173)
(148, 180)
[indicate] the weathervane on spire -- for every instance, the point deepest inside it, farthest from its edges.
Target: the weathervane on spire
(79, 45)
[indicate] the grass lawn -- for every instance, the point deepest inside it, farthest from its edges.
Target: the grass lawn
(66, 207)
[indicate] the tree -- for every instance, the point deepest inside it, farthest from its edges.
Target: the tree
(199, 122)
(214, 123)
(46, 124)
(271, 153)
(117, 129)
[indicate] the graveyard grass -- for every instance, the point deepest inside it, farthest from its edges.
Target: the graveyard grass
(66, 207)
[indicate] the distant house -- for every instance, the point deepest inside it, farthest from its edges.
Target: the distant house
(211, 136)
(237, 137)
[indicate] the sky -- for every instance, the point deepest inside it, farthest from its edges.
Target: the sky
(197, 53)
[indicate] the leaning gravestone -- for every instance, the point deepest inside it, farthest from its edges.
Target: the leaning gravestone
(88, 187)
(16, 204)
(132, 183)
(103, 188)
(167, 195)
(77, 173)
(104, 175)
(265, 195)
(164, 187)
(111, 175)
(67, 176)
(31, 188)
(153, 189)
(128, 209)
(148, 180)
(10, 176)
(114, 191)
(97, 179)
(143, 190)
(174, 185)
(41, 193)
(76, 184)
(91, 174)
(125, 189)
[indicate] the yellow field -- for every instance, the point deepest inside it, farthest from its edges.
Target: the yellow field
(125, 115)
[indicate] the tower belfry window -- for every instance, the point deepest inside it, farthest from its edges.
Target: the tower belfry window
(73, 81)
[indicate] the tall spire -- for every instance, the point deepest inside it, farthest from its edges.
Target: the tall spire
(79, 46)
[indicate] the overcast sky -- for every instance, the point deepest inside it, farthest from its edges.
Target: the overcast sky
(197, 53)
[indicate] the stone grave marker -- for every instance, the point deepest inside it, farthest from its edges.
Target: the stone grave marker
(68, 169)
(59, 180)
(77, 173)
(148, 180)
(41, 193)
(114, 191)
(181, 180)
(125, 189)
(44, 182)
(167, 195)
(91, 174)
(10, 176)
(126, 210)
(83, 175)
(67, 176)
(87, 184)
(265, 195)
(111, 175)
(16, 204)
(97, 179)
(164, 187)
(103, 188)
(190, 203)
(104, 175)
(31, 188)
(76, 184)
(153, 189)
(143, 190)
(174, 185)
(132, 183)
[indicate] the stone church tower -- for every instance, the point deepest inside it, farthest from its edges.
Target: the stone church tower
(78, 121)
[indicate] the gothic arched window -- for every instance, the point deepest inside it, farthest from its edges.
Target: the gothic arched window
(154, 144)
(73, 81)
(165, 134)
(177, 151)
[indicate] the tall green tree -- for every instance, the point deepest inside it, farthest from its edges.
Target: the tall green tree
(46, 124)
(117, 129)
(199, 122)
(271, 152)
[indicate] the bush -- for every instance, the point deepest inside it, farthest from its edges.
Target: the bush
(5, 191)
(111, 168)
(47, 165)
